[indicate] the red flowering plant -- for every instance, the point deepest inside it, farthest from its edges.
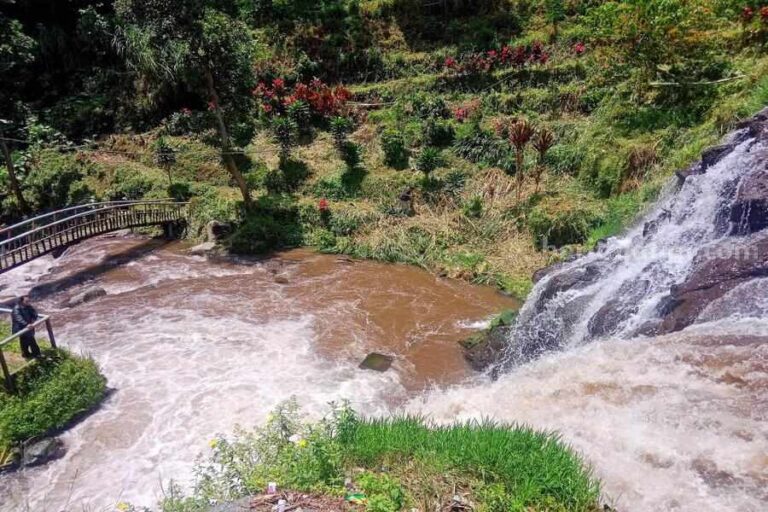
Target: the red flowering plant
(475, 63)
(579, 49)
(322, 99)
(764, 14)
(325, 211)
(467, 110)
(747, 14)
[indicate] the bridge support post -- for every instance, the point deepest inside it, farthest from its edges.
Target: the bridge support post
(6, 374)
(168, 231)
(50, 332)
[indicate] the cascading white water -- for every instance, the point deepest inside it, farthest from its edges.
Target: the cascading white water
(618, 289)
(670, 423)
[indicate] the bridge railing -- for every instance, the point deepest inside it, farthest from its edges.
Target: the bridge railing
(42, 234)
(9, 232)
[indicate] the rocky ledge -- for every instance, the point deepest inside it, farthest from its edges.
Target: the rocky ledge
(739, 258)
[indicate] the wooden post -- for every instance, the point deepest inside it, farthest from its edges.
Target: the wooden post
(50, 332)
(6, 374)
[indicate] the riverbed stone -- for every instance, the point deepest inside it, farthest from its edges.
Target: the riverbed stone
(216, 230)
(202, 248)
(377, 362)
(486, 349)
(89, 294)
(42, 451)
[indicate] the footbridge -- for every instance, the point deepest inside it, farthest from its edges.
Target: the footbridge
(54, 231)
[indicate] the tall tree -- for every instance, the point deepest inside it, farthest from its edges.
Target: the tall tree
(16, 51)
(191, 45)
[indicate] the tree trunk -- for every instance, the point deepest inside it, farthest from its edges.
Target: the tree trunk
(226, 148)
(14, 182)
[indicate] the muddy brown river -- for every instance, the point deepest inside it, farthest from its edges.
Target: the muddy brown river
(194, 347)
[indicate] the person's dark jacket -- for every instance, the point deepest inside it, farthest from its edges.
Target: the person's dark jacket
(21, 316)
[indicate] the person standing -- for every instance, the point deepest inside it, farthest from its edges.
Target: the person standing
(24, 315)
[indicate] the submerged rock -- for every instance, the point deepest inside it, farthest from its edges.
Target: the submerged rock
(42, 451)
(87, 295)
(486, 349)
(377, 362)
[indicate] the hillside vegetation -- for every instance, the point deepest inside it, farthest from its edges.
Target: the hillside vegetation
(523, 126)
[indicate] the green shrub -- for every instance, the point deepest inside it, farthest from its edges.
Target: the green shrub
(426, 107)
(54, 180)
(565, 159)
(428, 160)
(394, 148)
(209, 205)
(284, 132)
(340, 128)
(50, 394)
(570, 226)
(274, 222)
(437, 133)
(480, 146)
(473, 207)
(351, 153)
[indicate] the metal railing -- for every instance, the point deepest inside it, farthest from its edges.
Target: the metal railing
(45, 233)
(7, 376)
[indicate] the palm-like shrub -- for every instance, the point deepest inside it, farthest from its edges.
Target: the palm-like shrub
(542, 143)
(284, 132)
(165, 157)
(340, 128)
(394, 148)
(520, 134)
(428, 160)
(300, 114)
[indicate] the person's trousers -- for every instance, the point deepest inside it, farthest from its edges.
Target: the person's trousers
(29, 346)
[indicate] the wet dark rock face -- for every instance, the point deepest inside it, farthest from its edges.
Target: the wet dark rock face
(579, 300)
(712, 277)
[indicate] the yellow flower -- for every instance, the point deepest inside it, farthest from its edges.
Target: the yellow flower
(123, 506)
(213, 443)
(302, 443)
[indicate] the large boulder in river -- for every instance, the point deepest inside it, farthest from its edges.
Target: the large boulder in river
(89, 294)
(42, 451)
(216, 230)
(717, 270)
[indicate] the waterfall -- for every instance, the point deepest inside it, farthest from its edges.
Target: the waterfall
(623, 289)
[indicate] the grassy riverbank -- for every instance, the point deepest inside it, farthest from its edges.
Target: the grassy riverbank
(395, 464)
(410, 97)
(50, 393)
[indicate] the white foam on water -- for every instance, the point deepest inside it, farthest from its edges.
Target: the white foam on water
(474, 325)
(19, 280)
(668, 425)
(182, 376)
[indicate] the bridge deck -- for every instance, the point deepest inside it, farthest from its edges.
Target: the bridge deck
(46, 233)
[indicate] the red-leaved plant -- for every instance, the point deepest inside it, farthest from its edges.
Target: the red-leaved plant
(484, 62)
(323, 100)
